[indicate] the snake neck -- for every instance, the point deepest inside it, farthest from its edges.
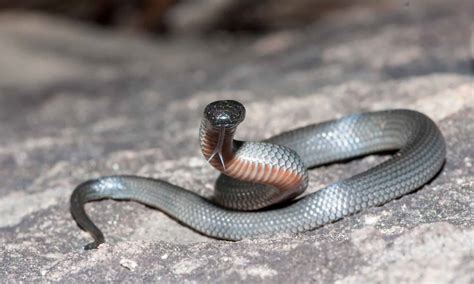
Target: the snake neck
(217, 145)
(253, 162)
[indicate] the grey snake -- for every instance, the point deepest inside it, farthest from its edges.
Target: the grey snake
(257, 175)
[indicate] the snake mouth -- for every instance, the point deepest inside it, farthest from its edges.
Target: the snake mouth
(225, 113)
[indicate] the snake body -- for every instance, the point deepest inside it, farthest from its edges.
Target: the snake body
(256, 175)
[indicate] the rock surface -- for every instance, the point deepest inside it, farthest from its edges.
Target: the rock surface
(78, 103)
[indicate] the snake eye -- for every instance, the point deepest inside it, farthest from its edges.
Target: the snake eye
(226, 113)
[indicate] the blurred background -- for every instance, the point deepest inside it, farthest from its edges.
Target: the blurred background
(149, 65)
(184, 16)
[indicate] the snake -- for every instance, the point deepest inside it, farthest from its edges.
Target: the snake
(259, 190)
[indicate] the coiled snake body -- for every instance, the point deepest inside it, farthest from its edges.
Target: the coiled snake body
(256, 175)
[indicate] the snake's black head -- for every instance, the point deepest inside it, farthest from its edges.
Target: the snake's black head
(226, 113)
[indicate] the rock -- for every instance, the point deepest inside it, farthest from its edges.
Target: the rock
(78, 103)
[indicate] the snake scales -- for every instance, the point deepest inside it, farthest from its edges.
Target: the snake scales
(256, 175)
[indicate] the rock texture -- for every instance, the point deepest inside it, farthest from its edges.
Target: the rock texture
(78, 103)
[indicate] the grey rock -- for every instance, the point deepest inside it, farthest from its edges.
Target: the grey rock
(78, 103)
